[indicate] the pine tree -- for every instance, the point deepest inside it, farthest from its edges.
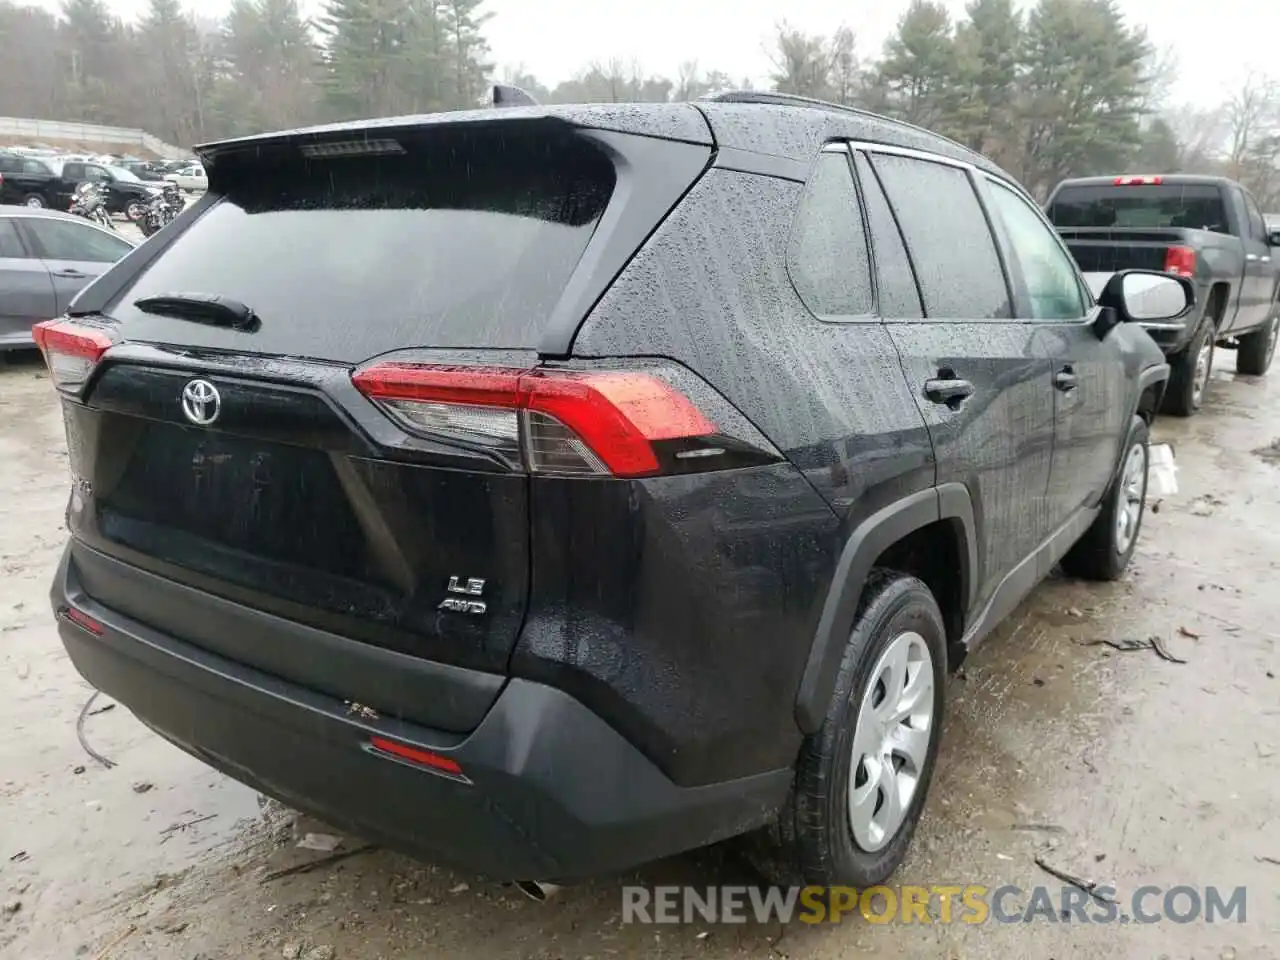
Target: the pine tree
(918, 71)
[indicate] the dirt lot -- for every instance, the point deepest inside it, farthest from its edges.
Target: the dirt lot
(1119, 767)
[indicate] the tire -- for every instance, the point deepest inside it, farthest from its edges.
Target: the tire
(34, 200)
(1104, 551)
(1257, 348)
(814, 840)
(1189, 376)
(135, 211)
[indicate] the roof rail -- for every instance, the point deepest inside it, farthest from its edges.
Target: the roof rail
(506, 95)
(779, 99)
(793, 100)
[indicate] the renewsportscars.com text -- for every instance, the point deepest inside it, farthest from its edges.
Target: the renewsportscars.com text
(944, 904)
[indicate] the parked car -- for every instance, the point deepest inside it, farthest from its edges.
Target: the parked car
(26, 179)
(647, 504)
(1208, 229)
(126, 192)
(142, 169)
(52, 183)
(46, 258)
(190, 178)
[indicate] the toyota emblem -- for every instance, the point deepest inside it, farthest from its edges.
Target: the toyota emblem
(201, 402)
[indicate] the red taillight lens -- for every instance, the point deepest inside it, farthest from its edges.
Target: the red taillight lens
(418, 756)
(1180, 261)
(70, 351)
(84, 621)
(557, 421)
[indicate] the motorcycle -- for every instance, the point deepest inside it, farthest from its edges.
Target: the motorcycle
(90, 201)
(161, 210)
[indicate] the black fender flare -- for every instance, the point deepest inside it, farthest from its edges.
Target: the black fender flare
(878, 532)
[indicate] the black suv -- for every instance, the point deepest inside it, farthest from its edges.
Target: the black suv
(544, 491)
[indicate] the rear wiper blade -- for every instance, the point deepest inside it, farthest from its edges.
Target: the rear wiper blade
(201, 308)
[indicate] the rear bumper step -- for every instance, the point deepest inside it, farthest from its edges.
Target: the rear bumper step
(549, 789)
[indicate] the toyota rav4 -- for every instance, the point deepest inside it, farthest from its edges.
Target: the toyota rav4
(542, 491)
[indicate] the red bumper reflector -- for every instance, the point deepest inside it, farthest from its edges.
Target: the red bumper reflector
(423, 758)
(84, 621)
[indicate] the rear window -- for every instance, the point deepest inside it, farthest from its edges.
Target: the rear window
(465, 239)
(1193, 206)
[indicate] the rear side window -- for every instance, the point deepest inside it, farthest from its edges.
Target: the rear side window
(10, 242)
(1193, 206)
(467, 238)
(947, 234)
(828, 258)
(1257, 225)
(899, 296)
(68, 240)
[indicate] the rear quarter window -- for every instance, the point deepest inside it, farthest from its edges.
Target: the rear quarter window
(827, 256)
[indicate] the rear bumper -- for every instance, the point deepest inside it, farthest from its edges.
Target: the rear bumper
(554, 792)
(1172, 338)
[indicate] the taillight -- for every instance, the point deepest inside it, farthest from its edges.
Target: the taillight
(602, 423)
(1180, 261)
(1137, 181)
(71, 351)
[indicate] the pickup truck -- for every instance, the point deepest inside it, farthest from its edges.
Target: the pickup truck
(50, 182)
(1208, 229)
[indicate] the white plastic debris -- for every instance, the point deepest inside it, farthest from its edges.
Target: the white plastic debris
(320, 842)
(1162, 480)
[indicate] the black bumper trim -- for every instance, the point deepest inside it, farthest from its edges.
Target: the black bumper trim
(556, 793)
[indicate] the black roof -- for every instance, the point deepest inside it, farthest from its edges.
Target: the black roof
(792, 128)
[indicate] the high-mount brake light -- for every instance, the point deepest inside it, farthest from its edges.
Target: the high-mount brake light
(601, 423)
(70, 351)
(350, 148)
(1137, 181)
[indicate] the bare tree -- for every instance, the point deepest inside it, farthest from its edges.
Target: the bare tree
(802, 63)
(1252, 115)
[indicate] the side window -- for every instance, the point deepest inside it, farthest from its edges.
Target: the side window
(1046, 268)
(948, 237)
(96, 173)
(899, 296)
(827, 257)
(1257, 226)
(10, 242)
(74, 171)
(64, 240)
(36, 167)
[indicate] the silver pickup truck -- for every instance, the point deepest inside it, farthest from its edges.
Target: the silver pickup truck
(1208, 229)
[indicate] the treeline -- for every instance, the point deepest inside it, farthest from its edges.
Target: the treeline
(1068, 87)
(186, 79)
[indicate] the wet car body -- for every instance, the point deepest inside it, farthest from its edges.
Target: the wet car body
(563, 656)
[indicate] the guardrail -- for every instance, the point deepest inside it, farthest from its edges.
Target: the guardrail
(61, 130)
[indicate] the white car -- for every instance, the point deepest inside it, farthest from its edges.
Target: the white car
(189, 178)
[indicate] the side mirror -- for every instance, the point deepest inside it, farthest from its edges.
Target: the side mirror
(1273, 238)
(1144, 296)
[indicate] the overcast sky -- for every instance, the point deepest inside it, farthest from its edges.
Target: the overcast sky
(1217, 43)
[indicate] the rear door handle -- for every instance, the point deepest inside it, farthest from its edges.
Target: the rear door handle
(1065, 380)
(70, 274)
(949, 391)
